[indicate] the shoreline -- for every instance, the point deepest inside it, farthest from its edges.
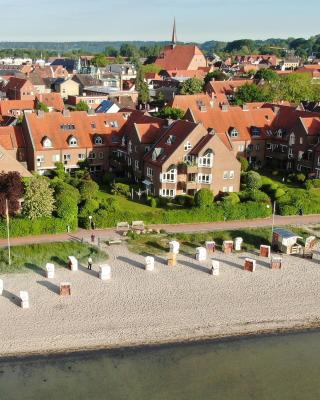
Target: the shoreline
(300, 328)
(169, 306)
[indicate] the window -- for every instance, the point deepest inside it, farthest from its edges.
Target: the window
(56, 157)
(269, 146)
(92, 155)
(114, 124)
(301, 140)
(205, 178)
(136, 165)
(67, 127)
(300, 155)
(230, 189)
(40, 158)
(206, 160)
(129, 161)
(46, 142)
(187, 146)
(146, 149)
(149, 172)
(73, 141)
(233, 133)
(299, 167)
(224, 189)
(318, 160)
(290, 152)
(255, 131)
(81, 156)
(169, 176)
(106, 123)
(292, 139)
(257, 147)
(100, 155)
(67, 157)
(93, 124)
(129, 146)
(167, 192)
(241, 147)
(192, 177)
(98, 140)
(228, 175)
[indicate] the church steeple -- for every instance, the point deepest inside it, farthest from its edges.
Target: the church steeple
(174, 34)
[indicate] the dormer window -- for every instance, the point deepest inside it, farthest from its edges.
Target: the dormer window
(171, 139)
(46, 142)
(98, 140)
(73, 141)
(255, 131)
(233, 133)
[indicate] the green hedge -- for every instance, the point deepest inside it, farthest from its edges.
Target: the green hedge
(26, 227)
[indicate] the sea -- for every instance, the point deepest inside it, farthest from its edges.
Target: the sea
(272, 367)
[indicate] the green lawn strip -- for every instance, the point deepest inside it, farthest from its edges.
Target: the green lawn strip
(159, 243)
(34, 257)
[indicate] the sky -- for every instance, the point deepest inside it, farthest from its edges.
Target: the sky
(197, 20)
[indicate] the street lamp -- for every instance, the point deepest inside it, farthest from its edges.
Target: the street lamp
(90, 219)
(8, 231)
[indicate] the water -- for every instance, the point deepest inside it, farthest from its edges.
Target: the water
(271, 368)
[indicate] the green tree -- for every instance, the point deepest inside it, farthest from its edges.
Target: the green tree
(203, 198)
(82, 106)
(171, 113)
(99, 60)
(129, 50)
(38, 198)
(253, 180)
(59, 171)
(251, 92)
(192, 86)
(216, 75)
(244, 163)
(295, 87)
(66, 202)
(88, 189)
(110, 51)
(142, 87)
(153, 68)
(42, 106)
(266, 74)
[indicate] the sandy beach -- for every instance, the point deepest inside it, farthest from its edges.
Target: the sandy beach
(137, 307)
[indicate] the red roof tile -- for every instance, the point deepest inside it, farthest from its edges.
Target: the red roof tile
(7, 105)
(11, 137)
(178, 57)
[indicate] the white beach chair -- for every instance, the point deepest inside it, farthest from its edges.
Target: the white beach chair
(24, 298)
(104, 272)
(149, 263)
(50, 270)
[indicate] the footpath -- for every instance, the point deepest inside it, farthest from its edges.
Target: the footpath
(85, 235)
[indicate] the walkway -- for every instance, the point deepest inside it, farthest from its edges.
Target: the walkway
(194, 227)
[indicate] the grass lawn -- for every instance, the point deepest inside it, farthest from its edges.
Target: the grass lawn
(34, 257)
(159, 244)
(127, 204)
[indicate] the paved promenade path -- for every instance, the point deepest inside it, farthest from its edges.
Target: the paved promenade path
(193, 227)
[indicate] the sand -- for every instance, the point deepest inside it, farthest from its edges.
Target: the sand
(137, 307)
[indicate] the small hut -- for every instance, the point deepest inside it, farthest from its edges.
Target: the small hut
(286, 241)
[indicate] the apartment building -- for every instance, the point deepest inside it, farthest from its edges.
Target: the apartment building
(71, 137)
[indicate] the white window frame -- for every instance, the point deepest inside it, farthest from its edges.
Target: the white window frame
(241, 147)
(40, 158)
(231, 174)
(92, 155)
(81, 156)
(169, 176)
(73, 142)
(206, 160)
(167, 193)
(149, 172)
(55, 157)
(67, 157)
(187, 146)
(136, 165)
(98, 140)
(204, 179)
(47, 143)
(101, 155)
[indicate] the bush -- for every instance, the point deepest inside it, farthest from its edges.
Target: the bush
(88, 189)
(153, 202)
(244, 163)
(203, 198)
(312, 183)
(25, 227)
(121, 189)
(185, 200)
(258, 195)
(279, 193)
(253, 180)
(232, 198)
(300, 178)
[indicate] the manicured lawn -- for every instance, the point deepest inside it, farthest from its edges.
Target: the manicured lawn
(34, 257)
(159, 244)
(128, 205)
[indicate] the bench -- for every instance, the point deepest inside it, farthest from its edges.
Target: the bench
(123, 226)
(113, 241)
(138, 225)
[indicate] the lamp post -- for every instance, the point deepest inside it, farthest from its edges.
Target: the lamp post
(8, 231)
(273, 215)
(90, 219)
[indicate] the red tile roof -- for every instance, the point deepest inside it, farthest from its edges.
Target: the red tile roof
(52, 100)
(11, 137)
(7, 105)
(177, 132)
(192, 101)
(312, 125)
(15, 83)
(178, 57)
(86, 127)
(147, 127)
(199, 73)
(227, 87)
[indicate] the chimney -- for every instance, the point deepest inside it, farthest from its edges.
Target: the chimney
(91, 111)
(245, 107)
(225, 107)
(212, 103)
(66, 113)
(40, 113)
